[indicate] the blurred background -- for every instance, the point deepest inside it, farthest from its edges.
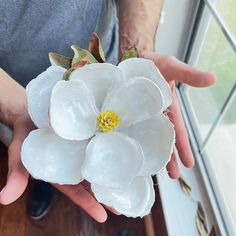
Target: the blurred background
(201, 33)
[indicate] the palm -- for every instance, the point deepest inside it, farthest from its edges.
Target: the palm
(174, 70)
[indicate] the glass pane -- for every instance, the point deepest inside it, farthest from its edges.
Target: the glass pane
(216, 56)
(221, 162)
(227, 11)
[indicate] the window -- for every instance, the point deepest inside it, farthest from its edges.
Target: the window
(212, 111)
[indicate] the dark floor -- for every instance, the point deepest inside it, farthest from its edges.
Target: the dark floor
(66, 219)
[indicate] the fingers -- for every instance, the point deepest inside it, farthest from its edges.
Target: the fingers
(173, 168)
(173, 69)
(182, 141)
(81, 197)
(112, 210)
(17, 179)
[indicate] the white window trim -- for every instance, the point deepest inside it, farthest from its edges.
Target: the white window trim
(180, 214)
(225, 222)
(180, 210)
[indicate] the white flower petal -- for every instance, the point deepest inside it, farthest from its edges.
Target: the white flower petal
(135, 200)
(72, 110)
(38, 94)
(134, 100)
(112, 160)
(156, 137)
(99, 77)
(143, 67)
(50, 158)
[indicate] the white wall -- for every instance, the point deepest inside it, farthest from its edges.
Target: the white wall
(173, 34)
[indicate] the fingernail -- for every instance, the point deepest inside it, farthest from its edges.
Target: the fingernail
(102, 219)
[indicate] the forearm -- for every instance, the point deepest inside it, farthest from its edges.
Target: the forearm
(13, 102)
(138, 20)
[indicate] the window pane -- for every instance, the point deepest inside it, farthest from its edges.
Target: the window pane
(216, 56)
(227, 11)
(221, 162)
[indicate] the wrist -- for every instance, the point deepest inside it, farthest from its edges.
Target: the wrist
(9, 113)
(142, 43)
(138, 21)
(16, 115)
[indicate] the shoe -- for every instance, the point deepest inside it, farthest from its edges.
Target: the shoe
(128, 232)
(40, 200)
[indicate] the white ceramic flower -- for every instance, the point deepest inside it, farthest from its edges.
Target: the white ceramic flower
(105, 125)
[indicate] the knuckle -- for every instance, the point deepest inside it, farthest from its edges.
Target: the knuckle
(90, 204)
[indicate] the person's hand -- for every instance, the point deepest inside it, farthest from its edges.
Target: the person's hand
(174, 70)
(81, 195)
(17, 178)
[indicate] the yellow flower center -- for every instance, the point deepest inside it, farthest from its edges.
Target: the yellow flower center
(107, 121)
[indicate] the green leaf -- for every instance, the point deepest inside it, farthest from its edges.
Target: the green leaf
(201, 221)
(66, 75)
(132, 52)
(101, 52)
(184, 185)
(82, 55)
(95, 48)
(59, 60)
(77, 65)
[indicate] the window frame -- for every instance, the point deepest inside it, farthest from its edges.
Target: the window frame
(205, 13)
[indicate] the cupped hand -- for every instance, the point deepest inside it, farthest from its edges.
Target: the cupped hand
(17, 178)
(174, 70)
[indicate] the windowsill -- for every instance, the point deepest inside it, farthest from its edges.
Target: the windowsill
(180, 209)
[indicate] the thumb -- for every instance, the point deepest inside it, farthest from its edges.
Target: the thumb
(17, 181)
(17, 178)
(175, 70)
(184, 73)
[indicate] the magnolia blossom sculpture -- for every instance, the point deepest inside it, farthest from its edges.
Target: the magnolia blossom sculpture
(104, 124)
